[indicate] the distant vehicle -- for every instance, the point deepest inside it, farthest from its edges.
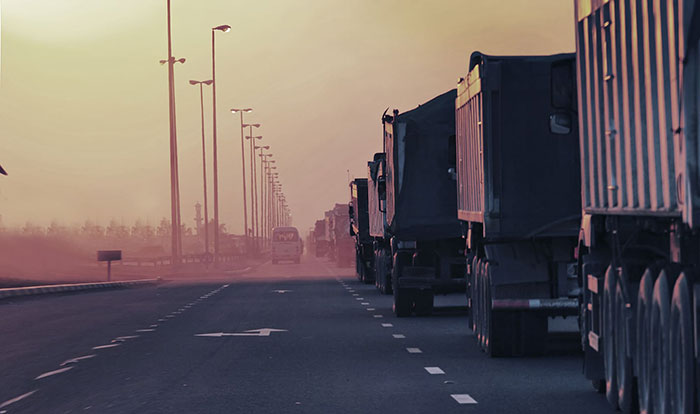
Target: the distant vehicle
(286, 245)
(320, 240)
(340, 243)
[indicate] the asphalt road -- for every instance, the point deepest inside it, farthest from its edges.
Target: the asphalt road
(333, 346)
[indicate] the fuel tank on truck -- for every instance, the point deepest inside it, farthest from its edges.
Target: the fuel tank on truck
(421, 197)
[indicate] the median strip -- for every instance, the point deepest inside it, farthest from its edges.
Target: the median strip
(73, 287)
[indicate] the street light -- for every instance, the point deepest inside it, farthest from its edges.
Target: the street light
(245, 202)
(222, 28)
(252, 178)
(263, 199)
(204, 162)
(175, 229)
(254, 190)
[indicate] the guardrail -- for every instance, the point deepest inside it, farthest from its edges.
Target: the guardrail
(167, 260)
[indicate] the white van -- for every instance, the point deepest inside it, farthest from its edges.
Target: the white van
(286, 244)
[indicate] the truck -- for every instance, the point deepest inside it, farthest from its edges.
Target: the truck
(340, 243)
(359, 229)
(422, 230)
(320, 240)
(639, 244)
(376, 212)
(519, 197)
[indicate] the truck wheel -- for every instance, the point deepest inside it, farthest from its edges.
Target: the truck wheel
(476, 304)
(609, 336)
(658, 363)
(626, 390)
(642, 358)
(469, 293)
(424, 302)
(681, 376)
(403, 302)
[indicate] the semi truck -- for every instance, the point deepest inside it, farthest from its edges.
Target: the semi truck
(340, 243)
(422, 230)
(320, 241)
(359, 229)
(639, 245)
(376, 211)
(519, 196)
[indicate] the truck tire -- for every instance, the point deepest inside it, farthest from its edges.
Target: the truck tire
(626, 387)
(682, 360)
(609, 336)
(476, 304)
(659, 355)
(424, 302)
(642, 358)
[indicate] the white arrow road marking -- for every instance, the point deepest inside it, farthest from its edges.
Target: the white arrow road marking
(14, 400)
(434, 370)
(252, 332)
(106, 346)
(414, 350)
(50, 373)
(282, 291)
(463, 398)
(80, 358)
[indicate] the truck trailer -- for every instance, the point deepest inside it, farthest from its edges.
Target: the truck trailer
(376, 211)
(359, 229)
(427, 255)
(519, 196)
(320, 240)
(340, 243)
(639, 246)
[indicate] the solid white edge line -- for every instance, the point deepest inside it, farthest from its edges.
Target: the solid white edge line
(55, 372)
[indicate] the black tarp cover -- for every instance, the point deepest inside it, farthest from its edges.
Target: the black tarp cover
(421, 193)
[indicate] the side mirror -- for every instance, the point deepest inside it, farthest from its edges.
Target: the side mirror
(381, 189)
(560, 123)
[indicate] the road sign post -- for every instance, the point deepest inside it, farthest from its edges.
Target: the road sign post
(108, 256)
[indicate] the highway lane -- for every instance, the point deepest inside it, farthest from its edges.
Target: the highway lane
(334, 354)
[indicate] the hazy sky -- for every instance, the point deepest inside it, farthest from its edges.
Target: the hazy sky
(83, 100)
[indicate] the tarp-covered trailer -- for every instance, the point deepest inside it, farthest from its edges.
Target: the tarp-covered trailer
(519, 196)
(376, 211)
(421, 205)
(320, 240)
(341, 244)
(359, 228)
(638, 66)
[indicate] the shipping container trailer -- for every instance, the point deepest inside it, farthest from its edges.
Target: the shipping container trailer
(637, 74)
(359, 229)
(421, 199)
(376, 210)
(519, 196)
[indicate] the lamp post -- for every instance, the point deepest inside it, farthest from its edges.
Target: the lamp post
(176, 239)
(223, 28)
(252, 186)
(270, 195)
(253, 189)
(260, 205)
(245, 202)
(263, 192)
(204, 162)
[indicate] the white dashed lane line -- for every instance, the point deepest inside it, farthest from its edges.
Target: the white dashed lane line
(16, 399)
(414, 350)
(145, 330)
(370, 309)
(463, 398)
(365, 303)
(55, 372)
(378, 316)
(387, 325)
(399, 336)
(77, 359)
(106, 346)
(434, 370)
